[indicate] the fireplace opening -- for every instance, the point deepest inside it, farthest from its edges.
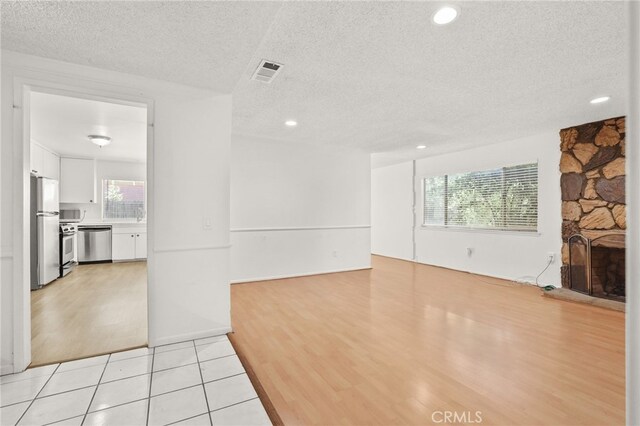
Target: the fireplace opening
(597, 267)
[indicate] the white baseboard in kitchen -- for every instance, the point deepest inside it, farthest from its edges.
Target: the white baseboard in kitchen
(190, 336)
(6, 369)
(305, 274)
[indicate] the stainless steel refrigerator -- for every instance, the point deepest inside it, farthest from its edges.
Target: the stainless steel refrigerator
(45, 232)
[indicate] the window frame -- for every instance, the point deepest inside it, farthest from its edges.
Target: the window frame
(490, 229)
(103, 204)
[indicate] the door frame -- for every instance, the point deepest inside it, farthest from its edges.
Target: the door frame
(22, 88)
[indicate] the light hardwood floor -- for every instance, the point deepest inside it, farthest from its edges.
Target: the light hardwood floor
(395, 344)
(96, 309)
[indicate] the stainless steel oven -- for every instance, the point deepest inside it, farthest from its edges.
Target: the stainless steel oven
(67, 248)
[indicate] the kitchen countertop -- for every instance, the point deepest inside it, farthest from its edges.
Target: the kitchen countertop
(114, 224)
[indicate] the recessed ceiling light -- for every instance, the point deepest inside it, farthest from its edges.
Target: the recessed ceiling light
(100, 140)
(600, 100)
(445, 15)
(421, 147)
(291, 123)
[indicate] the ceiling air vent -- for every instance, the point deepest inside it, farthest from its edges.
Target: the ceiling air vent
(267, 71)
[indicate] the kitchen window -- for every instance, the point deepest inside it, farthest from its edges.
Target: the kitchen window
(500, 199)
(123, 199)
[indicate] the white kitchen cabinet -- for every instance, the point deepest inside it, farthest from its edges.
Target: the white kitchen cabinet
(123, 246)
(77, 180)
(141, 245)
(128, 245)
(44, 163)
(37, 159)
(51, 165)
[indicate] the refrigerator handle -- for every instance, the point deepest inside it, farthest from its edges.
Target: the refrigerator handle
(47, 214)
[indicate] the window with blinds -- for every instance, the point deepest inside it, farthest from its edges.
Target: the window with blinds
(502, 199)
(123, 199)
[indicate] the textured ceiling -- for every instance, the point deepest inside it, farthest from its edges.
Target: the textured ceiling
(381, 77)
(62, 124)
(372, 75)
(198, 43)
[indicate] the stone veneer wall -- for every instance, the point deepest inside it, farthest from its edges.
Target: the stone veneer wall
(592, 182)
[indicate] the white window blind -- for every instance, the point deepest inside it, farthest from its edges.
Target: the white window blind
(123, 199)
(504, 199)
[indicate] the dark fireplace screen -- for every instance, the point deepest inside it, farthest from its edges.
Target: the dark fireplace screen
(579, 264)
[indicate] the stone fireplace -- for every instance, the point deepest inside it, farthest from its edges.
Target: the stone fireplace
(592, 167)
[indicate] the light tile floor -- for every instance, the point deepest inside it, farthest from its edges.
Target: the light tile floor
(199, 382)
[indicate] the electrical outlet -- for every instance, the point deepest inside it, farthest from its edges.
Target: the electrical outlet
(469, 251)
(335, 253)
(551, 257)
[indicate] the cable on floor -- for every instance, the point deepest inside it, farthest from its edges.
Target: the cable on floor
(546, 287)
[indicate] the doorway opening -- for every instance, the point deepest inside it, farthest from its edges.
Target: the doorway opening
(88, 209)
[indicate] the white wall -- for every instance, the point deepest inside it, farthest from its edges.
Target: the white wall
(188, 265)
(124, 170)
(297, 209)
(392, 211)
(510, 255)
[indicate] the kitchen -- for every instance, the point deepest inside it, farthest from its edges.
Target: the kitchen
(88, 226)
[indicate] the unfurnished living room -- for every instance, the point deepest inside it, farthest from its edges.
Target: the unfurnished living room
(319, 213)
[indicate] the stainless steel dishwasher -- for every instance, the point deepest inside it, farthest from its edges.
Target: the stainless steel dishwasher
(94, 243)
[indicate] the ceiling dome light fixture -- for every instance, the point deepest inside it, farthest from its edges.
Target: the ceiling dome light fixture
(421, 147)
(600, 100)
(445, 15)
(291, 123)
(100, 140)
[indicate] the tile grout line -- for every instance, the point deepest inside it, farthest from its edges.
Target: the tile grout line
(188, 418)
(63, 420)
(142, 399)
(83, 359)
(175, 349)
(59, 393)
(235, 403)
(96, 390)
(177, 366)
(153, 360)
(36, 396)
(22, 380)
(130, 357)
(194, 345)
(220, 357)
(127, 377)
(225, 377)
(206, 399)
(117, 405)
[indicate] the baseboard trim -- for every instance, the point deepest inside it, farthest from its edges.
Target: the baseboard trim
(497, 277)
(191, 248)
(189, 336)
(306, 274)
(113, 351)
(392, 257)
(300, 228)
(6, 369)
